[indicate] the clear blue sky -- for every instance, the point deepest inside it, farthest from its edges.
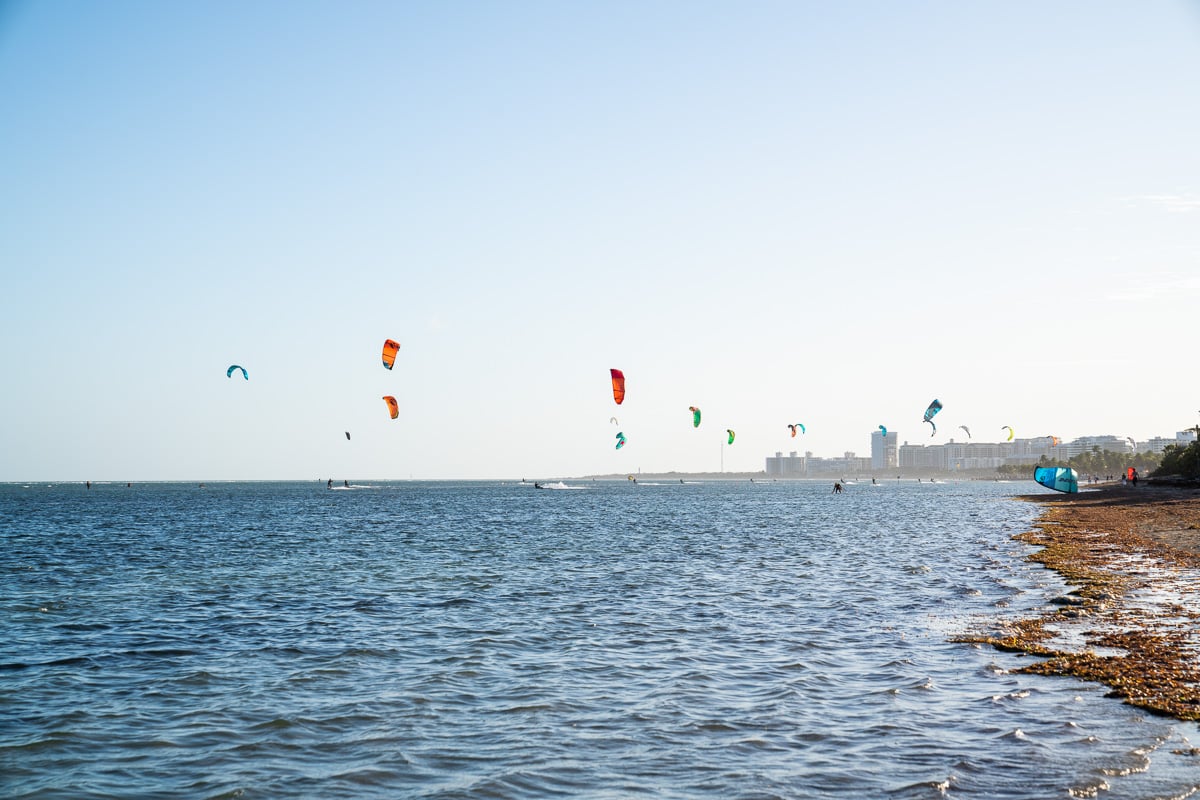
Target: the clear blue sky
(826, 213)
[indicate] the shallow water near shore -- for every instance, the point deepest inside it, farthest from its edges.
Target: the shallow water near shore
(487, 639)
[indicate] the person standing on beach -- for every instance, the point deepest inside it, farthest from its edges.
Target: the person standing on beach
(1135, 477)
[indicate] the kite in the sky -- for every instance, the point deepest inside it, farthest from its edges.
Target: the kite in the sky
(792, 428)
(1060, 479)
(695, 416)
(393, 406)
(613, 420)
(229, 372)
(731, 435)
(1054, 440)
(620, 440)
(347, 436)
(931, 412)
(618, 383)
(968, 430)
(1011, 433)
(390, 348)
(883, 430)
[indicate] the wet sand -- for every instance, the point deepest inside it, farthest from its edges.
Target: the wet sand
(1131, 619)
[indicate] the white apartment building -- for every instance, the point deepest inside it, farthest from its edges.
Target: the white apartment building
(884, 453)
(1159, 443)
(791, 466)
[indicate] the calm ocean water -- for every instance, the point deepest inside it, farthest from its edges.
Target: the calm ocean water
(480, 640)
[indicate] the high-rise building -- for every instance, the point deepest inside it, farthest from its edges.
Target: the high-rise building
(884, 450)
(793, 465)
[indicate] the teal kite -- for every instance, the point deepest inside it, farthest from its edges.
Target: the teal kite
(1060, 479)
(620, 440)
(931, 412)
(229, 372)
(883, 430)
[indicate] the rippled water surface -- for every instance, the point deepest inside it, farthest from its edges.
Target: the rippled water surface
(446, 640)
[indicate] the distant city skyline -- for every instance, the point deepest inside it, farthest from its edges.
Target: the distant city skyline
(954, 455)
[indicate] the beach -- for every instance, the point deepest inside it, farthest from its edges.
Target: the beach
(1131, 618)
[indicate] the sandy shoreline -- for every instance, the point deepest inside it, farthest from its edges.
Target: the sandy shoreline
(1131, 620)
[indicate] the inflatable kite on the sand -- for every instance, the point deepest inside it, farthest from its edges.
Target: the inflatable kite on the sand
(1060, 479)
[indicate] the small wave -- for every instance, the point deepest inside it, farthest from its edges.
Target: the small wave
(69, 661)
(530, 708)
(451, 603)
(277, 724)
(715, 727)
(922, 788)
(1089, 791)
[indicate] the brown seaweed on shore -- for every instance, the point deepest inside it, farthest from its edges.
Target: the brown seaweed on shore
(1133, 556)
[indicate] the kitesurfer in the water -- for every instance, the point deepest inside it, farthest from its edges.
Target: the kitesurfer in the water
(329, 484)
(837, 487)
